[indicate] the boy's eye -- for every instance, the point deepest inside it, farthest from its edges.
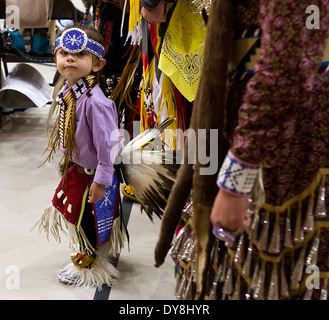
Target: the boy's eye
(80, 54)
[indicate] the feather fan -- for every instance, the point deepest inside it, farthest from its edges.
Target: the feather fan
(148, 169)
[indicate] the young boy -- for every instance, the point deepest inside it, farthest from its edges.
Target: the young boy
(87, 132)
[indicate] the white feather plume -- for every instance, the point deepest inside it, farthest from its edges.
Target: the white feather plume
(148, 169)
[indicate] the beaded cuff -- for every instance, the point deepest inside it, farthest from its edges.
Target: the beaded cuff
(236, 176)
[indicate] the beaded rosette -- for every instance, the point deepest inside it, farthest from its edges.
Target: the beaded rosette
(75, 40)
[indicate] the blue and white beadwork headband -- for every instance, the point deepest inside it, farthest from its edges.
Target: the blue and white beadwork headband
(75, 40)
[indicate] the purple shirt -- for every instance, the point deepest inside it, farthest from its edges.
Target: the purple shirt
(97, 136)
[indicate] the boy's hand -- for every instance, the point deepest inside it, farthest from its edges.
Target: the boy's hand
(96, 192)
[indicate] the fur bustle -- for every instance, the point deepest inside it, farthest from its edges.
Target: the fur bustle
(212, 89)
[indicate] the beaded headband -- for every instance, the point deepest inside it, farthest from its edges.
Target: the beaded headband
(75, 40)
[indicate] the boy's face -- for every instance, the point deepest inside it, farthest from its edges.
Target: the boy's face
(74, 66)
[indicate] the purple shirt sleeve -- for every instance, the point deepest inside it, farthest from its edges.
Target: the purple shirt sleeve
(97, 135)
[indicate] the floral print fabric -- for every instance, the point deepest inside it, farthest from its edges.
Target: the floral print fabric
(279, 116)
(283, 117)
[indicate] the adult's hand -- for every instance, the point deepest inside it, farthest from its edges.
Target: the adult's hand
(230, 212)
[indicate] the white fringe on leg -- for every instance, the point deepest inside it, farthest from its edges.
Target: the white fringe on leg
(52, 222)
(117, 238)
(103, 273)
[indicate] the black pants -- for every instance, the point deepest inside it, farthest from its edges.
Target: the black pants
(88, 224)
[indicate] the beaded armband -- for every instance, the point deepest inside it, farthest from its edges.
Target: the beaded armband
(236, 176)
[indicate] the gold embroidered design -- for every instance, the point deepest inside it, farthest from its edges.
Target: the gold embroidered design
(181, 55)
